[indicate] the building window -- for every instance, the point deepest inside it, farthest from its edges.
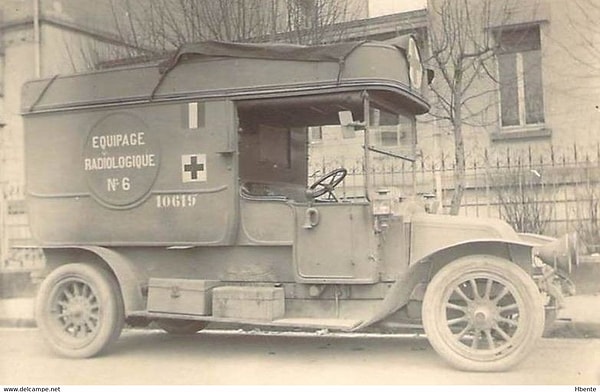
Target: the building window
(520, 73)
(316, 134)
(395, 131)
(389, 138)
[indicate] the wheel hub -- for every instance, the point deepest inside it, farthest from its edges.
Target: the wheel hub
(77, 310)
(483, 315)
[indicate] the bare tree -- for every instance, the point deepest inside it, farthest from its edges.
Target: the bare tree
(462, 48)
(317, 21)
(582, 17)
(522, 199)
(588, 228)
(155, 27)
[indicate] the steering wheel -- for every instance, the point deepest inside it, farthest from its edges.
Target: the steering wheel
(327, 183)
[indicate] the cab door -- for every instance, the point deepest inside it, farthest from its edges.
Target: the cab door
(335, 243)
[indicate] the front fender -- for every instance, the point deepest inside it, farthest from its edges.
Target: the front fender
(518, 252)
(424, 269)
(399, 294)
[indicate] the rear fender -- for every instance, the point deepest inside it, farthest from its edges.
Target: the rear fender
(127, 276)
(407, 286)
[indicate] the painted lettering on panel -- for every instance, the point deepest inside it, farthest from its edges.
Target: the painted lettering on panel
(121, 159)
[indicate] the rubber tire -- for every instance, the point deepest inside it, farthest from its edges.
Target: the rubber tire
(111, 310)
(181, 327)
(532, 315)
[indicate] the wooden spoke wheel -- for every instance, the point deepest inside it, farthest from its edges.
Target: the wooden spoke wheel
(483, 313)
(79, 310)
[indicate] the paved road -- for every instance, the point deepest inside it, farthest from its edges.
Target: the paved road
(155, 358)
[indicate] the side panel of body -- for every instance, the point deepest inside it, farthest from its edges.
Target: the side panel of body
(82, 191)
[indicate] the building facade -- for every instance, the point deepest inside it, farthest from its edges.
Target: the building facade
(543, 93)
(530, 123)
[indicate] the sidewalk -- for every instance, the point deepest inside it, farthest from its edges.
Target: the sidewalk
(17, 312)
(579, 319)
(582, 308)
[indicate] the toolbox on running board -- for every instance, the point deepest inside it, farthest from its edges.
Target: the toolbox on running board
(262, 303)
(182, 296)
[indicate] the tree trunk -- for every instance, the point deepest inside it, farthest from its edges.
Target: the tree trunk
(459, 172)
(459, 154)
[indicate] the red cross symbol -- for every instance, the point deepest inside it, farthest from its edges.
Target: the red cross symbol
(193, 168)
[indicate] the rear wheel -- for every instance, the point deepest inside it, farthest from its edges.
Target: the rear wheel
(483, 313)
(79, 310)
(181, 327)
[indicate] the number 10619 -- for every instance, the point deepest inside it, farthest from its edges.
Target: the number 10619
(175, 201)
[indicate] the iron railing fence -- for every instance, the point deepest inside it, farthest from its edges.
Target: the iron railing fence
(546, 192)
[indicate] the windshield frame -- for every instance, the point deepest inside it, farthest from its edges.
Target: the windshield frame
(323, 110)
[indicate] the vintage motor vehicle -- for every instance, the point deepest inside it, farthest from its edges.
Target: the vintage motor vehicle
(178, 192)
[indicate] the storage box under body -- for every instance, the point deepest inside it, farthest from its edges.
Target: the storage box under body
(181, 296)
(259, 303)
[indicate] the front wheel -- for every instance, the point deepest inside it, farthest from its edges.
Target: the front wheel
(79, 310)
(483, 313)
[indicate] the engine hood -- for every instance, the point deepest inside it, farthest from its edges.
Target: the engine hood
(433, 232)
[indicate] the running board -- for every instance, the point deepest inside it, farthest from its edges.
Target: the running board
(329, 323)
(312, 323)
